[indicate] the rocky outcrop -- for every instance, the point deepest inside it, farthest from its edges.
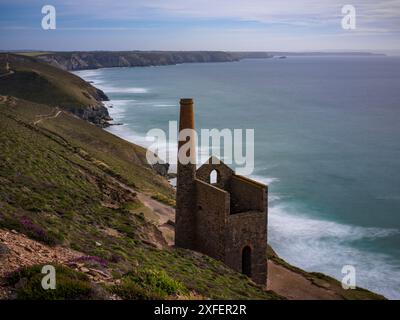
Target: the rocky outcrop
(98, 94)
(96, 114)
(18, 251)
(161, 168)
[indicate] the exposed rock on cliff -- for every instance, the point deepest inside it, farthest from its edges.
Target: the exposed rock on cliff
(161, 168)
(97, 114)
(107, 59)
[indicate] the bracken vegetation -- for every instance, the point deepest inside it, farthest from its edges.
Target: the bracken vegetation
(148, 284)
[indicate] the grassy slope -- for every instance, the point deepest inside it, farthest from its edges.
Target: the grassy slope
(123, 159)
(53, 194)
(110, 153)
(42, 83)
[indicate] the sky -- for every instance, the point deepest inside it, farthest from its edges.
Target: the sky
(229, 25)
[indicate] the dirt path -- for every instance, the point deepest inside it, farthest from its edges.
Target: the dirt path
(295, 286)
(161, 214)
(45, 117)
(163, 211)
(165, 216)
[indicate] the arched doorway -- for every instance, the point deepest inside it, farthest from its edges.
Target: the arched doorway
(246, 261)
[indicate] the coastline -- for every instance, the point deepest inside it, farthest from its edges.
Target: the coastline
(138, 139)
(91, 60)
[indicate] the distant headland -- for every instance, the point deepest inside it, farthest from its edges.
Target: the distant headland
(81, 60)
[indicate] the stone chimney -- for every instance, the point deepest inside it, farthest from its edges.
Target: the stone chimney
(185, 187)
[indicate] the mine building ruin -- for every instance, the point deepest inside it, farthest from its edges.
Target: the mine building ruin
(220, 213)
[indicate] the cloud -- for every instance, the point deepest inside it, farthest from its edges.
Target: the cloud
(255, 23)
(295, 12)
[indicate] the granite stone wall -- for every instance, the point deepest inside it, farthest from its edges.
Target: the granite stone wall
(224, 174)
(212, 210)
(247, 195)
(247, 229)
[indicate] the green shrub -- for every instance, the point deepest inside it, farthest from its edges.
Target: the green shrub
(148, 285)
(70, 285)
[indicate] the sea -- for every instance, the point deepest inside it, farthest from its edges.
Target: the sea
(326, 141)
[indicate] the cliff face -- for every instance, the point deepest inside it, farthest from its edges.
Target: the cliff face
(36, 81)
(97, 114)
(80, 60)
(103, 59)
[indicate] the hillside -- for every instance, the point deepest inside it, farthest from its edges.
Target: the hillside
(74, 195)
(39, 82)
(60, 194)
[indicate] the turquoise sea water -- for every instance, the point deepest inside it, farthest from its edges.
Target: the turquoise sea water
(327, 141)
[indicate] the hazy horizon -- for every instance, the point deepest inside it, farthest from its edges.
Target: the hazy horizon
(208, 50)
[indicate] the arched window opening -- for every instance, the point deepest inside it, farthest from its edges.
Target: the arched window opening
(214, 176)
(246, 261)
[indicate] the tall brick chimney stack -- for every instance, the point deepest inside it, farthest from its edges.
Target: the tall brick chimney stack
(185, 188)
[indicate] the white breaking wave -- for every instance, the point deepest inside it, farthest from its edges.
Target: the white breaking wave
(266, 180)
(118, 109)
(165, 105)
(273, 197)
(120, 103)
(93, 76)
(110, 89)
(96, 77)
(87, 74)
(326, 246)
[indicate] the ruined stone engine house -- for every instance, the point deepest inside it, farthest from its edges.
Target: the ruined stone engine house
(226, 220)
